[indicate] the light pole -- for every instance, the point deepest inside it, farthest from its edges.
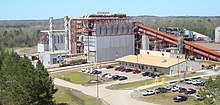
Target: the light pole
(137, 61)
(178, 67)
(97, 87)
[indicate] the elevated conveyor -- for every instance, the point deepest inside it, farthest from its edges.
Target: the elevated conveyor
(203, 51)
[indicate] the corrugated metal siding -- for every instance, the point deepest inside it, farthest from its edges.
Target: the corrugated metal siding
(112, 47)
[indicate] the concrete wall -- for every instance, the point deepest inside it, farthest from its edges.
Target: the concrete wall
(178, 67)
(186, 66)
(144, 67)
(47, 58)
(44, 58)
(42, 47)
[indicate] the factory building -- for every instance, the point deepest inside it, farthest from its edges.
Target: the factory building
(99, 37)
(156, 61)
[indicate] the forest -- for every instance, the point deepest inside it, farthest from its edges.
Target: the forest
(25, 33)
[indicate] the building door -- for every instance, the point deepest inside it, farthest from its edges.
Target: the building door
(54, 60)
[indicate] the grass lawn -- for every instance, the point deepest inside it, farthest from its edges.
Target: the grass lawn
(136, 84)
(130, 85)
(74, 97)
(167, 99)
(79, 77)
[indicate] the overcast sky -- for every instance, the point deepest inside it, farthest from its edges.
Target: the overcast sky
(42, 9)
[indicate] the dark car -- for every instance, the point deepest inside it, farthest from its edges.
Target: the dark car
(145, 73)
(190, 91)
(136, 71)
(118, 68)
(161, 90)
(202, 83)
(96, 72)
(180, 98)
(115, 77)
(128, 70)
(182, 90)
(122, 78)
(109, 67)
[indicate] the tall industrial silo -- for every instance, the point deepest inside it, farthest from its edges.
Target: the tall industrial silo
(217, 34)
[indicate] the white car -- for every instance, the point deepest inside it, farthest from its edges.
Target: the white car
(148, 92)
(83, 70)
(198, 97)
(174, 89)
(108, 76)
(196, 82)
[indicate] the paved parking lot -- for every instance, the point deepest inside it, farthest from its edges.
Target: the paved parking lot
(131, 77)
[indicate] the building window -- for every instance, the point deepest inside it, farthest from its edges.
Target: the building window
(62, 39)
(54, 39)
(58, 39)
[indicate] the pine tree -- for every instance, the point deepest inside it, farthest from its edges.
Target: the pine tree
(44, 86)
(211, 91)
(22, 84)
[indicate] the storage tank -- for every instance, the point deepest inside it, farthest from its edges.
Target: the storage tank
(217, 34)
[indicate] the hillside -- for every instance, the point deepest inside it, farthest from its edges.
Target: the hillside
(22, 33)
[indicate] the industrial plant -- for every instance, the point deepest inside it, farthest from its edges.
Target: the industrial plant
(105, 37)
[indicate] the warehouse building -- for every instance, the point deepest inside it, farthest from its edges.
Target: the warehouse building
(159, 63)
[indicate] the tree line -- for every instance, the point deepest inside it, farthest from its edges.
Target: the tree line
(23, 84)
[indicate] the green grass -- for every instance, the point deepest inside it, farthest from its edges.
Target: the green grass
(74, 97)
(130, 85)
(79, 78)
(167, 99)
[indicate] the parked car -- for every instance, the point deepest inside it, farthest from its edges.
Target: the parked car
(196, 82)
(96, 72)
(136, 71)
(168, 88)
(180, 98)
(174, 89)
(122, 78)
(105, 74)
(108, 76)
(190, 91)
(202, 83)
(188, 81)
(115, 77)
(122, 70)
(182, 90)
(83, 70)
(198, 97)
(145, 73)
(109, 67)
(161, 90)
(148, 92)
(128, 70)
(118, 68)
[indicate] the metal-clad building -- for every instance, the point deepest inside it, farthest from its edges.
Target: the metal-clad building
(110, 41)
(217, 34)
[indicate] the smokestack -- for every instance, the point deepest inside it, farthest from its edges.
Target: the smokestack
(51, 34)
(66, 20)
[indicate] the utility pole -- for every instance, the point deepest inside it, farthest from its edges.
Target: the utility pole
(97, 87)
